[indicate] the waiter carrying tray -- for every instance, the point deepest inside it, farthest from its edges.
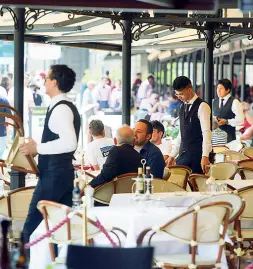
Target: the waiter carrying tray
(58, 144)
(194, 141)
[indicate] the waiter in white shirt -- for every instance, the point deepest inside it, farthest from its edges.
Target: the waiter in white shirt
(193, 142)
(227, 110)
(58, 144)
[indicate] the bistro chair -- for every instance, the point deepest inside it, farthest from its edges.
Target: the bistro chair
(121, 184)
(219, 149)
(248, 152)
(198, 226)
(80, 257)
(72, 231)
(236, 201)
(15, 205)
(224, 170)
(245, 163)
(166, 173)
(238, 205)
(179, 175)
(15, 159)
(197, 182)
(160, 185)
(233, 156)
(244, 234)
(245, 173)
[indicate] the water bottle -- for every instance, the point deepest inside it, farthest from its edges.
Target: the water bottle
(76, 195)
(148, 178)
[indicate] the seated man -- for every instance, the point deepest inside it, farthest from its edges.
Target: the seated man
(150, 152)
(98, 149)
(121, 159)
(158, 132)
(247, 136)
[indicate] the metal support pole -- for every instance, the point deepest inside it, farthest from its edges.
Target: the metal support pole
(183, 66)
(209, 67)
(149, 67)
(18, 178)
(171, 72)
(177, 61)
(221, 67)
(165, 81)
(19, 61)
(189, 65)
(203, 73)
(243, 67)
(231, 72)
(216, 74)
(159, 76)
(126, 76)
(194, 73)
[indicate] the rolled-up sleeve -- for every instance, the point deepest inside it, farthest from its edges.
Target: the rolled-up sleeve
(239, 115)
(204, 115)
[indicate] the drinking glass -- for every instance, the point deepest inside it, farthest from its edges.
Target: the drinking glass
(214, 187)
(224, 187)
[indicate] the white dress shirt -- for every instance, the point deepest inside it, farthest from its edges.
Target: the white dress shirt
(61, 123)
(102, 92)
(236, 109)
(144, 89)
(204, 113)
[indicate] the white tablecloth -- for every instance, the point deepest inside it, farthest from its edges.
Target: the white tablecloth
(238, 184)
(133, 221)
(173, 199)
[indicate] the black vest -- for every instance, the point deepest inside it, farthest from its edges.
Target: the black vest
(62, 161)
(225, 113)
(191, 134)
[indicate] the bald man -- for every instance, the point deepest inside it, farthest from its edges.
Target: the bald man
(121, 159)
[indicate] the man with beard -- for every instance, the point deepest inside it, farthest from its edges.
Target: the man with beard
(143, 132)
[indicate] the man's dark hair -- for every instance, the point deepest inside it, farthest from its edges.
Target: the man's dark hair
(158, 126)
(96, 127)
(107, 73)
(64, 76)
(180, 83)
(149, 126)
(138, 74)
(151, 76)
(226, 83)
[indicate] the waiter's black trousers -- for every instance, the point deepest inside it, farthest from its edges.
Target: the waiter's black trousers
(192, 160)
(54, 186)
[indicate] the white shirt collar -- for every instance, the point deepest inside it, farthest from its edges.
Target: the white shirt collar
(192, 100)
(57, 98)
(225, 98)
